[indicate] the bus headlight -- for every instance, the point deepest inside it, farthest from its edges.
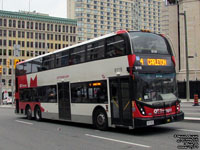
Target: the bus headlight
(142, 111)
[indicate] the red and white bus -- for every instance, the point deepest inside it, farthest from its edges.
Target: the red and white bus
(125, 79)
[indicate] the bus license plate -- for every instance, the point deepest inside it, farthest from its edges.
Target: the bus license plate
(150, 122)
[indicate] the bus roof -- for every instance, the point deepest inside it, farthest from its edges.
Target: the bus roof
(69, 47)
(78, 44)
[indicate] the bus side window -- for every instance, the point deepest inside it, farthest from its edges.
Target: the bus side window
(115, 46)
(36, 65)
(77, 55)
(48, 62)
(62, 59)
(95, 50)
(27, 67)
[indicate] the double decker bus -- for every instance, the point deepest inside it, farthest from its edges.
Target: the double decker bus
(126, 79)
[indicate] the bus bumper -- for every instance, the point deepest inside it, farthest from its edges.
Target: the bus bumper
(144, 122)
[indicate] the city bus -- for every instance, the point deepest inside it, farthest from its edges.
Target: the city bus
(122, 79)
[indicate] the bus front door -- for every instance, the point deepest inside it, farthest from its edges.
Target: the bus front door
(64, 101)
(120, 101)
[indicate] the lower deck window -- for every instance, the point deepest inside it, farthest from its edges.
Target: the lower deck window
(89, 92)
(39, 94)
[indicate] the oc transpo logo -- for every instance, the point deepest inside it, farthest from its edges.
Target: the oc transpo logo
(161, 111)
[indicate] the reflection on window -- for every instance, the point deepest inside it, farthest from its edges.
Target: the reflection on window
(40, 94)
(89, 92)
(115, 46)
(95, 50)
(148, 43)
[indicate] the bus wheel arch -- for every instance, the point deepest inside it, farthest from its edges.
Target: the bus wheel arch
(100, 118)
(28, 112)
(37, 113)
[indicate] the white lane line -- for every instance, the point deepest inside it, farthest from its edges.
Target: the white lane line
(119, 141)
(191, 113)
(189, 130)
(24, 122)
(191, 118)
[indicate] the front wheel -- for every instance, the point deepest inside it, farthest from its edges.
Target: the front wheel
(100, 119)
(38, 114)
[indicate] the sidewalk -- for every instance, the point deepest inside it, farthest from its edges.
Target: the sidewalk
(8, 106)
(192, 113)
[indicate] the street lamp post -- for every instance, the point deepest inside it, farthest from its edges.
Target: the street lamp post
(186, 55)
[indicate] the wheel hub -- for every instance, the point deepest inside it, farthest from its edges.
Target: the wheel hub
(101, 119)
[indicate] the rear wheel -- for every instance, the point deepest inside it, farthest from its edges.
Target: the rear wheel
(100, 119)
(38, 114)
(28, 113)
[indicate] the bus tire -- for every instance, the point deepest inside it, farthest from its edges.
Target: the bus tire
(100, 119)
(38, 113)
(28, 113)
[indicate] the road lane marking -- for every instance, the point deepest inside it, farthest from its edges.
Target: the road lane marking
(189, 130)
(24, 122)
(191, 113)
(119, 141)
(191, 118)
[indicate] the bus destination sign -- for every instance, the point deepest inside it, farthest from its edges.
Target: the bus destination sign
(153, 62)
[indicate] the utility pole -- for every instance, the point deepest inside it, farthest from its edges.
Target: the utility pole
(179, 47)
(1, 102)
(12, 84)
(16, 54)
(186, 55)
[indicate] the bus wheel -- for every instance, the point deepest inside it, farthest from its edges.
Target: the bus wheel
(28, 113)
(38, 114)
(100, 119)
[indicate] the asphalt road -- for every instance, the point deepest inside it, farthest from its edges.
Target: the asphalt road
(17, 133)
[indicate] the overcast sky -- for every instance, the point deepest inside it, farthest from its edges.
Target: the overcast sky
(55, 8)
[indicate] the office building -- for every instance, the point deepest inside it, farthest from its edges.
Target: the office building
(170, 28)
(96, 17)
(35, 34)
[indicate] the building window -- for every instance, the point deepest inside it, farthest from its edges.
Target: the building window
(4, 43)
(19, 24)
(4, 52)
(10, 23)
(23, 24)
(1, 22)
(5, 22)
(43, 26)
(27, 24)
(31, 25)
(36, 25)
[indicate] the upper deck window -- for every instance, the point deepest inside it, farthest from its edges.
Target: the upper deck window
(115, 46)
(148, 43)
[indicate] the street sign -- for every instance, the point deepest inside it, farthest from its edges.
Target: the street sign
(16, 50)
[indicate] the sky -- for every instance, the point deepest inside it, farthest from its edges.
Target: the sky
(56, 8)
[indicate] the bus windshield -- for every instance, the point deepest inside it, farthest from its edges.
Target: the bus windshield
(148, 43)
(155, 87)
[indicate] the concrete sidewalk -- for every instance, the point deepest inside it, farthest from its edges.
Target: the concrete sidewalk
(7, 106)
(192, 113)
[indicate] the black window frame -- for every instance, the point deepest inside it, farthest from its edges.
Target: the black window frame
(84, 91)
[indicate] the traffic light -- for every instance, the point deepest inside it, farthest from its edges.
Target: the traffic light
(0, 69)
(15, 62)
(8, 63)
